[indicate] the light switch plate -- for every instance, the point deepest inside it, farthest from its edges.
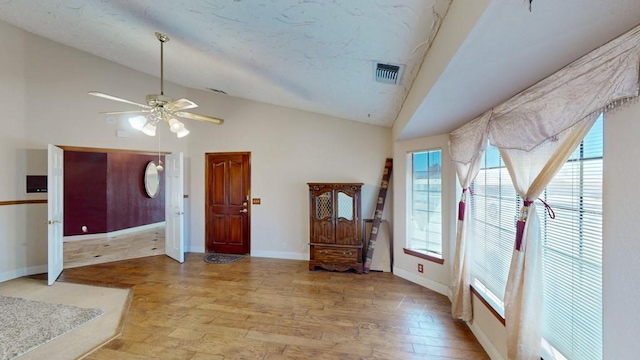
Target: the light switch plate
(255, 201)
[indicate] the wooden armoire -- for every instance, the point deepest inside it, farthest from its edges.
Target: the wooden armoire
(336, 226)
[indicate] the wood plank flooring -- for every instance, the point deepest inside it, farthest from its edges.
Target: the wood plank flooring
(259, 308)
(138, 244)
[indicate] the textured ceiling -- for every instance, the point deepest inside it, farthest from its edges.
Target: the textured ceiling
(315, 55)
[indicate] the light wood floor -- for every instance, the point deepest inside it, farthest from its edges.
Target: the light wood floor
(261, 308)
(137, 244)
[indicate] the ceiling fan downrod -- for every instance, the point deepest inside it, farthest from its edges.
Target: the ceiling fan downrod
(163, 39)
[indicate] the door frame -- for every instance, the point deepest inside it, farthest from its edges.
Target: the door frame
(120, 151)
(248, 192)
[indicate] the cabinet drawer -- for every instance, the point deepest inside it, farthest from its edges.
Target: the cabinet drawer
(329, 254)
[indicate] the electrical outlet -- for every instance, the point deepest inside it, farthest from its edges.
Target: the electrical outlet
(284, 246)
(420, 268)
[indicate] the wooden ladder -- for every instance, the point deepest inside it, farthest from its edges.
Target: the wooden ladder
(377, 218)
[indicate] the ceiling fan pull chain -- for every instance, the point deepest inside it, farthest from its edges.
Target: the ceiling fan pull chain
(159, 167)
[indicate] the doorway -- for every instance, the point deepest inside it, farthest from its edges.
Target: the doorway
(134, 224)
(227, 210)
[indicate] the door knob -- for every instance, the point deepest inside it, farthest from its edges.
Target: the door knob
(243, 210)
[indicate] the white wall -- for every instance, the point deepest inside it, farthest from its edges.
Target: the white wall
(436, 276)
(289, 148)
(43, 94)
(621, 238)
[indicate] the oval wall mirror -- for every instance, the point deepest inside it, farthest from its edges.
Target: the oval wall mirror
(151, 180)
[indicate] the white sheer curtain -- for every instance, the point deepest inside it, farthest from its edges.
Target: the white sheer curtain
(531, 171)
(536, 131)
(466, 145)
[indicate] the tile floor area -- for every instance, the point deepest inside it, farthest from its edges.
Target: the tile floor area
(129, 246)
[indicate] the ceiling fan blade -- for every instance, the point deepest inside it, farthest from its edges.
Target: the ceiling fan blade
(125, 112)
(111, 97)
(181, 104)
(198, 117)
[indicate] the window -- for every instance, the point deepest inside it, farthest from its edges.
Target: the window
(425, 229)
(571, 246)
(495, 207)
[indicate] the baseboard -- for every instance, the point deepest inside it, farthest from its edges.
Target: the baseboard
(487, 345)
(281, 255)
(425, 282)
(195, 249)
(113, 233)
(31, 270)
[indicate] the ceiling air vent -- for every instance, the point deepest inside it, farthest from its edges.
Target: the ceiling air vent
(388, 73)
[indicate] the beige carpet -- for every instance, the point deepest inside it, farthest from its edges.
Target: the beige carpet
(85, 338)
(27, 324)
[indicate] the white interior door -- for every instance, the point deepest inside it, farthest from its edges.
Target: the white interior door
(55, 209)
(174, 207)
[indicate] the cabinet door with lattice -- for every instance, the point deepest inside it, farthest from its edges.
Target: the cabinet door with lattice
(323, 226)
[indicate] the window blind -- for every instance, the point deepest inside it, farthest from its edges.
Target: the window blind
(571, 245)
(572, 253)
(495, 206)
(425, 230)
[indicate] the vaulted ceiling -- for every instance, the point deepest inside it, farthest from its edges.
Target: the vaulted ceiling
(315, 55)
(319, 55)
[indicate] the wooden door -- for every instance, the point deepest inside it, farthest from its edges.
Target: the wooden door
(227, 207)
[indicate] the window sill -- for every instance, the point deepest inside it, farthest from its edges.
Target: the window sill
(495, 313)
(424, 255)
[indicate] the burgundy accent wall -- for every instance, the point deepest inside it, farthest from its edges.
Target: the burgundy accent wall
(85, 192)
(128, 204)
(105, 192)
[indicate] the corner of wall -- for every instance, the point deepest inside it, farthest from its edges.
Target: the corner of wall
(440, 288)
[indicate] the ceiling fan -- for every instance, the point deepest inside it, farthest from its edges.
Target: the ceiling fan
(159, 107)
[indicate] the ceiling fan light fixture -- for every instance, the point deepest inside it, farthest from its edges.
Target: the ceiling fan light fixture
(137, 122)
(159, 107)
(175, 125)
(182, 133)
(149, 129)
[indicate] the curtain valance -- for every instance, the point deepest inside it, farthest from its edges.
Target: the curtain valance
(470, 140)
(590, 84)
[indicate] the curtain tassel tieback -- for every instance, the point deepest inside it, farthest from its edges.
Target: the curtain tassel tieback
(462, 204)
(524, 213)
